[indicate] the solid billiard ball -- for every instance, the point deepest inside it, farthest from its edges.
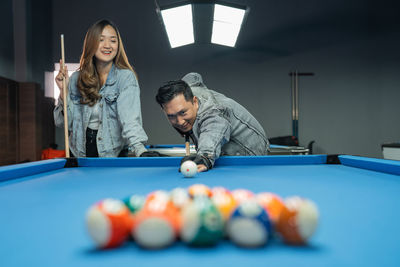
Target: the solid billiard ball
(249, 225)
(189, 168)
(202, 224)
(109, 223)
(156, 225)
(298, 220)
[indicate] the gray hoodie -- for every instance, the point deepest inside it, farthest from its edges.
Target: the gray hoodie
(223, 126)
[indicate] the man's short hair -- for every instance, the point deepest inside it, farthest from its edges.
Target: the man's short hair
(171, 89)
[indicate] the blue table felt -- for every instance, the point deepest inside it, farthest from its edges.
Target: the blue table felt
(43, 206)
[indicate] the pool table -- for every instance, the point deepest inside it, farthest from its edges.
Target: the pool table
(178, 150)
(42, 215)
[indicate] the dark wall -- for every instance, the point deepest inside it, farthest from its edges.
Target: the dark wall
(31, 39)
(349, 106)
(6, 40)
(39, 39)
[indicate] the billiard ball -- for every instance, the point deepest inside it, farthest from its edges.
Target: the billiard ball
(156, 225)
(109, 223)
(272, 203)
(202, 224)
(241, 195)
(161, 195)
(224, 201)
(220, 189)
(249, 225)
(179, 197)
(189, 168)
(135, 203)
(199, 190)
(298, 220)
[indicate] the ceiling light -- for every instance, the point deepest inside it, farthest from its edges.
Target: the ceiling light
(178, 22)
(227, 23)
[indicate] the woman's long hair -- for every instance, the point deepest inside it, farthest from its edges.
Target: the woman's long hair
(89, 80)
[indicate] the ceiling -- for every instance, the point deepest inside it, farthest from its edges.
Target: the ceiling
(278, 28)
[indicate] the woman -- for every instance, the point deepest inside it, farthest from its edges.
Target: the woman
(104, 114)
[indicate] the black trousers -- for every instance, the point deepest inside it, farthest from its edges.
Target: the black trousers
(91, 145)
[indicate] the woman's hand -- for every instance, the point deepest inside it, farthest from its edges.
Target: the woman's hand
(59, 78)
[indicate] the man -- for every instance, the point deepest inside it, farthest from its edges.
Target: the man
(217, 124)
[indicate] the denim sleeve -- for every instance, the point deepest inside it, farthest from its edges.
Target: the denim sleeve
(215, 131)
(130, 115)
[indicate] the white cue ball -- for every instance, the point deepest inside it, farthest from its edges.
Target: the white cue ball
(189, 168)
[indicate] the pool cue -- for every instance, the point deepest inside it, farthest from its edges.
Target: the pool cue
(187, 145)
(292, 74)
(296, 104)
(65, 100)
(295, 99)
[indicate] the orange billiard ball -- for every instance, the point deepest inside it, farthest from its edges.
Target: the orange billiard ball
(224, 201)
(298, 220)
(157, 224)
(199, 190)
(272, 203)
(109, 222)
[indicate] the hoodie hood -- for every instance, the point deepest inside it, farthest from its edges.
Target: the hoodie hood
(193, 79)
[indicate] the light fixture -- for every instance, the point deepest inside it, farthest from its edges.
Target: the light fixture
(227, 23)
(179, 19)
(178, 22)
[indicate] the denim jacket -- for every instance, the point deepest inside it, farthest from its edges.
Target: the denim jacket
(223, 126)
(120, 116)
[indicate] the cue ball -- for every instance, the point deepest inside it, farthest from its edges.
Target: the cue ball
(189, 168)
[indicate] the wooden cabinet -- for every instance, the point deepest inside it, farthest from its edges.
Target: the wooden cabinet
(9, 146)
(26, 122)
